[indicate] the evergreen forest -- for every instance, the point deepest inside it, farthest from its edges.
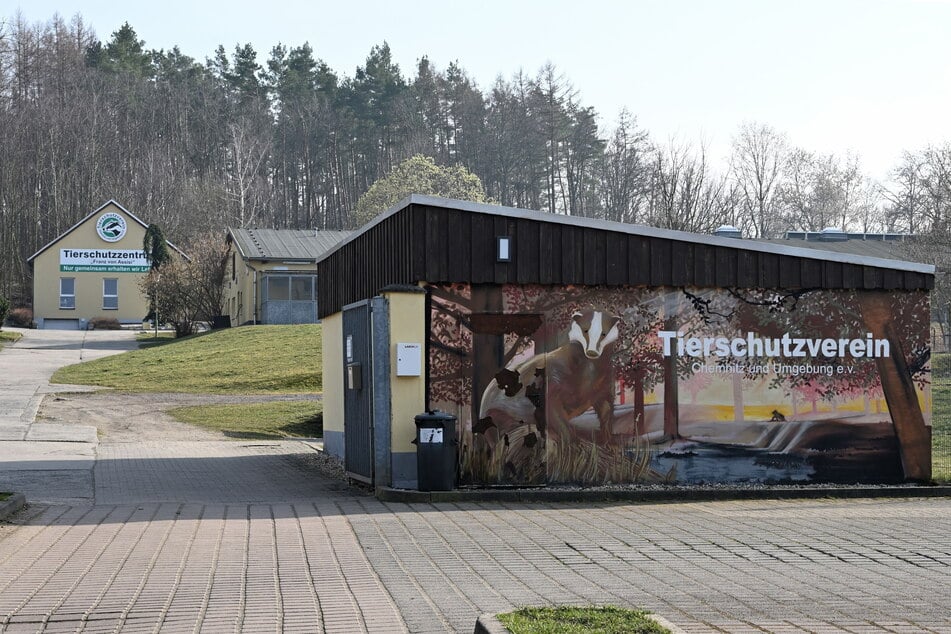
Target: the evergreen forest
(281, 140)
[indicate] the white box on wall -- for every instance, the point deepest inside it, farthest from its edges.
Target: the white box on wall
(409, 359)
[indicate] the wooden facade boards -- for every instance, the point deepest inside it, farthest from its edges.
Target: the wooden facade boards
(436, 240)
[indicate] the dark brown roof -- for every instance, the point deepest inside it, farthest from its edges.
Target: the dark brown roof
(896, 250)
(429, 239)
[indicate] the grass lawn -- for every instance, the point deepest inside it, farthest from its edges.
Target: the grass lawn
(277, 419)
(941, 418)
(9, 335)
(147, 338)
(244, 360)
(579, 620)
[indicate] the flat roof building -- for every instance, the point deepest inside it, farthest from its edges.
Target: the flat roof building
(579, 351)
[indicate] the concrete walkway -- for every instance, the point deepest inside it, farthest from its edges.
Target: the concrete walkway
(249, 536)
(48, 462)
(26, 367)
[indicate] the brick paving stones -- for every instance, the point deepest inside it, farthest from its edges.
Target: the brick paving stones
(248, 536)
(342, 561)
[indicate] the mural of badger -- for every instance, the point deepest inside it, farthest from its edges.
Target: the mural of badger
(554, 387)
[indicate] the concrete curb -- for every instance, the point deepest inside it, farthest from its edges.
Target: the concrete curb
(386, 494)
(665, 623)
(11, 505)
(489, 624)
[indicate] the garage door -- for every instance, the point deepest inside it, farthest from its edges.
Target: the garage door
(61, 324)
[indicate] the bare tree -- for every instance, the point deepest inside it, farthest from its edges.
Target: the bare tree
(759, 153)
(870, 211)
(920, 203)
(851, 184)
(821, 190)
(685, 194)
(937, 186)
(206, 271)
(905, 197)
(626, 172)
(248, 148)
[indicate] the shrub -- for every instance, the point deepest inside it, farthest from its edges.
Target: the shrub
(20, 318)
(104, 323)
(173, 291)
(4, 308)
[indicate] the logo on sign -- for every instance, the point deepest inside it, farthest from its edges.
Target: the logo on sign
(110, 227)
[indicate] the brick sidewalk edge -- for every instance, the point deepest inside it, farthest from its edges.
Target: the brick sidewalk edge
(489, 624)
(11, 505)
(387, 494)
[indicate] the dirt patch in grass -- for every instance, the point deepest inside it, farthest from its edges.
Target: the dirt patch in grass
(123, 417)
(271, 419)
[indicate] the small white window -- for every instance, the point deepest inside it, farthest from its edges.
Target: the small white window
(110, 294)
(67, 293)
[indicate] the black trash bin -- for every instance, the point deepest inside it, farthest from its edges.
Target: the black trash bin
(436, 451)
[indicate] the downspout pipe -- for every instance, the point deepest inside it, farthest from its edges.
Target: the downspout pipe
(254, 284)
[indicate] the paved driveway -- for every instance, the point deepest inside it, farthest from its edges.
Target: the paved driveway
(349, 563)
(250, 536)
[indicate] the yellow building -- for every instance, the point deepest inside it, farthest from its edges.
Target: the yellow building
(92, 270)
(271, 276)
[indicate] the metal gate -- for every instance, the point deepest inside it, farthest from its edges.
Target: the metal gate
(358, 392)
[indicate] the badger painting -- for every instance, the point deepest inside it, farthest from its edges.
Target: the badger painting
(557, 386)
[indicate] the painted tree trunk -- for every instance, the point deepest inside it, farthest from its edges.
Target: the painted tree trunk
(671, 397)
(640, 423)
(671, 391)
(914, 437)
(487, 349)
(738, 412)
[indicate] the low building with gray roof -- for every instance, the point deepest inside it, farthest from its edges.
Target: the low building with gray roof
(271, 276)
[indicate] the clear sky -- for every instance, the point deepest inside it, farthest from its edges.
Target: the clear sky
(871, 77)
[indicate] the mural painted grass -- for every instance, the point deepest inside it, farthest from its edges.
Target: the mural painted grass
(588, 463)
(580, 620)
(245, 360)
(561, 461)
(275, 419)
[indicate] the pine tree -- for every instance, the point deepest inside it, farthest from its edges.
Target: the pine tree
(155, 247)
